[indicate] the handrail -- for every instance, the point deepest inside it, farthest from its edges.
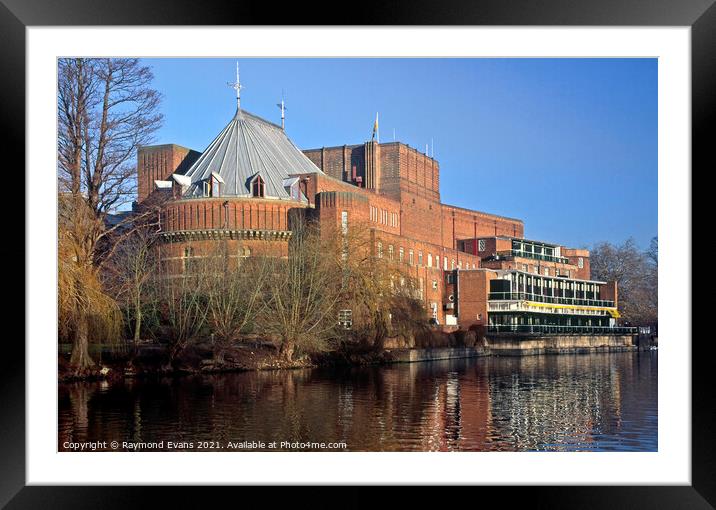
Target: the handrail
(531, 255)
(539, 298)
(549, 328)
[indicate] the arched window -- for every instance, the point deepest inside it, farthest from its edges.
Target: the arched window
(258, 187)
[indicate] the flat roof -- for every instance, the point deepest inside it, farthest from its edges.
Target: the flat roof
(518, 239)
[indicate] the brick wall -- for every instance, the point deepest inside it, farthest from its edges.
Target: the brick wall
(227, 213)
(473, 291)
(574, 254)
(159, 162)
(459, 223)
(344, 163)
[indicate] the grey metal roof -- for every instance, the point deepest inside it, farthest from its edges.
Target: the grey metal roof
(247, 146)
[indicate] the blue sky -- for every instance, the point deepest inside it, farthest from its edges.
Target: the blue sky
(567, 145)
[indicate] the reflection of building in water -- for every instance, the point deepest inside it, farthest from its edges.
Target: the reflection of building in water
(561, 412)
(457, 416)
(529, 403)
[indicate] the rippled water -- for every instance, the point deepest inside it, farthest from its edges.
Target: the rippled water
(596, 402)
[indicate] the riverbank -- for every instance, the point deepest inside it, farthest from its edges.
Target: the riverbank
(151, 360)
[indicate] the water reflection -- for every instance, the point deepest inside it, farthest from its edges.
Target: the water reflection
(567, 403)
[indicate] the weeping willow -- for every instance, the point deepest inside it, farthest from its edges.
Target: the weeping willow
(86, 312)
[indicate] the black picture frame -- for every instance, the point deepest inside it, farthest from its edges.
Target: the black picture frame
(700, 15)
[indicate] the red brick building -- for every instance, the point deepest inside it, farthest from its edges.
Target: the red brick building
(473, 267)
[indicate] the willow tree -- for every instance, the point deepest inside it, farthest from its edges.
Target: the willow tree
(380, 291)
(302, 292)
(106, 110)
(84, 308)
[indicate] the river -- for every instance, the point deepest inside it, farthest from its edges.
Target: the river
(583, 402)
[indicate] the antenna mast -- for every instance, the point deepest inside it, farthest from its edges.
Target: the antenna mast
(282, 106)
(237, 87)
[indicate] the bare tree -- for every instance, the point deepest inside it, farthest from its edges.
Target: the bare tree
(653, 252)
(130, 273)
(106, 110)
(302, 292)
(184, 303)
(635, 275)
(235, 286)
(378, 290)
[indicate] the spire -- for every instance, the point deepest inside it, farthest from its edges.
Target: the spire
(376, 132)
(237, 87)
(282, 106)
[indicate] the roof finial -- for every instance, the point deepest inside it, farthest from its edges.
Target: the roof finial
(237, 87)
(282, 106)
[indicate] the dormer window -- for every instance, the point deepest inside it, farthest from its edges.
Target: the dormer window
(258, 187)
(212, 186)
(215, 185)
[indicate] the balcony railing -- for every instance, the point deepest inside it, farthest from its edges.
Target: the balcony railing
(526, 296)
(531, 255)
(563, 330)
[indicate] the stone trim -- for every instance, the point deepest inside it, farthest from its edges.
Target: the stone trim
(219, 234)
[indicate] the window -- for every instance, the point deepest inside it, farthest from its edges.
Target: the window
(411, 261)
(345, 319)
(244, 252)
(295, 191)
(420, 258)
(186, 259)
(380, 250)
(215, 190)
(430, 260)
(435, 284)
(401, 254)
(452, 264)
(546, 271)
(390, 251)
(535, 269)
(481, 245)
(444, 263)
(524, 267)
(580, 262)
(344, 222)
(258, 187)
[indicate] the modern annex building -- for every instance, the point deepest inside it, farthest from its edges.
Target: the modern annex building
(473, 268)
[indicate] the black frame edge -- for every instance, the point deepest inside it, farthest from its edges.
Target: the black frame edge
(700, 14)
(12, 364)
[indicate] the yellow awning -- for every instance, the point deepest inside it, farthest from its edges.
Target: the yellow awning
(611, 311)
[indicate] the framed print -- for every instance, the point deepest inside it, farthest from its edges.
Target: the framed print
(420, 249)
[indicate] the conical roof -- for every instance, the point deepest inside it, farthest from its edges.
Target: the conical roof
(249, 146)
